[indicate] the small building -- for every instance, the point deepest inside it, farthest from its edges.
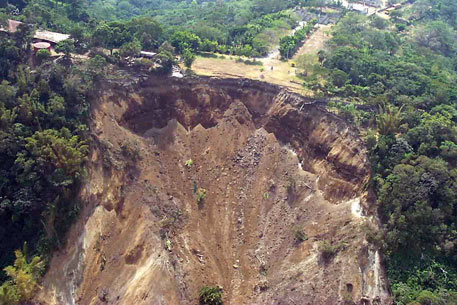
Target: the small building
(41, 46)
(324, 19)
(147, 54)
(12, 26)
(389, 10)
(373, 3)
(50, 37)
(40, 35)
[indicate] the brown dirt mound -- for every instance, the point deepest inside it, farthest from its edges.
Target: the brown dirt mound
(265, 169)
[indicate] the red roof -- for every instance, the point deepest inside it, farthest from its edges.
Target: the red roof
(42, 45)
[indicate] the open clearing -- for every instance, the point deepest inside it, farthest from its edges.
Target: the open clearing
(282, 74)
(273, 70)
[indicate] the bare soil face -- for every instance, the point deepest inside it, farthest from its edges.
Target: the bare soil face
(266, 168)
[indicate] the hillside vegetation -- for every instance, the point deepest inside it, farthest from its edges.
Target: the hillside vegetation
(406, 76)
(395, 79)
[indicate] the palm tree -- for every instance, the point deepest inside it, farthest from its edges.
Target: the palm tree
(23, 275)
(389, 119)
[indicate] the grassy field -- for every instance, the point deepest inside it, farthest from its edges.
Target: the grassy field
(272, 70)
(282, 74)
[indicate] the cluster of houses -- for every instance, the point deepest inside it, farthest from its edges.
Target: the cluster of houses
(42, 39)
(370, 7)
(323, 18)
(392, 8)
(373, 3)
(367, 7)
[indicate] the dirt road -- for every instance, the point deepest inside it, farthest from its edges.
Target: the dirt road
(316, 42)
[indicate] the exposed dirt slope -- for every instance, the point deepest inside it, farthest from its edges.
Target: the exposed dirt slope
(267, 168)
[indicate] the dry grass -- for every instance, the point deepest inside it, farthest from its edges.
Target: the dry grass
(282, 74)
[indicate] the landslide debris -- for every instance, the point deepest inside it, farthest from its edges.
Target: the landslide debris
(204, 182)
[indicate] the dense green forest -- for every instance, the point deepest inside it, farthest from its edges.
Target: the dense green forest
(396, 79)
(44, 143)
(404, 71)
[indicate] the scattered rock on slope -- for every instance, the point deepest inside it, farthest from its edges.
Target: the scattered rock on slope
(266, 168)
